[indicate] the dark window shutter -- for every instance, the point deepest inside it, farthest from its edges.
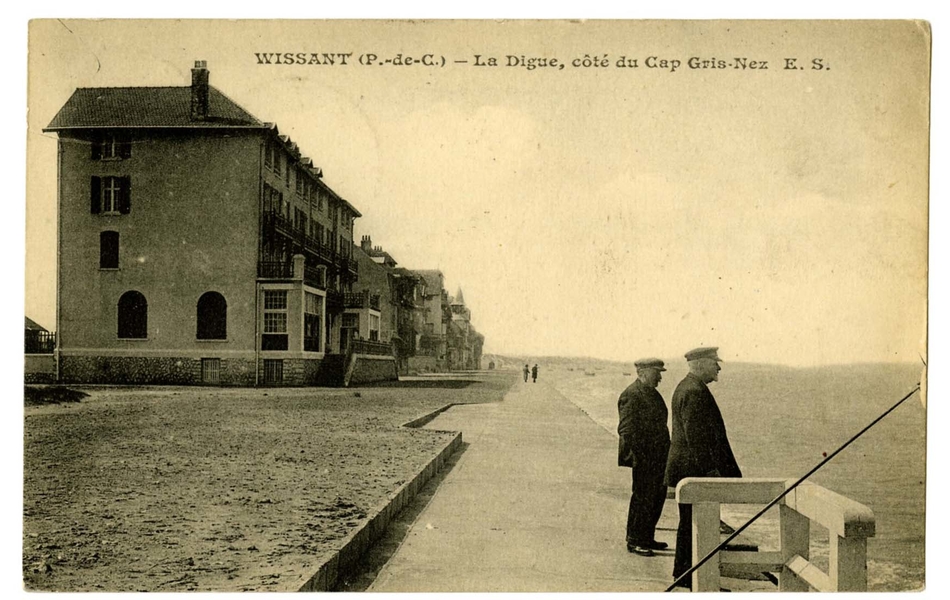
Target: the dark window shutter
(96, 148)
(109, 250)
(125, 195)
(125, 148)
(95, 195)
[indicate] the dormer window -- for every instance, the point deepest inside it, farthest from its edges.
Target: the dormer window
(112, 146)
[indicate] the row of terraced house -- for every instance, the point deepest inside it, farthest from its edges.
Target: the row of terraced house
(197, 244)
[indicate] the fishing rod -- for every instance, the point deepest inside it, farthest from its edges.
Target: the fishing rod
(736, 533)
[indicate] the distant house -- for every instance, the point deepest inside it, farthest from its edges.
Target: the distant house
(39, 363)
(32, 325)
(436, 314)
(463, 343)
(38, 340)
(197, 244)
(398, 295)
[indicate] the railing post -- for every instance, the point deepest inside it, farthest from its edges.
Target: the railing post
(299, 262)
(795, 530)
(706, 537)
(847, 563)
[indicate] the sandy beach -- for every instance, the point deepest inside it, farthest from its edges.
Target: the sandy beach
(212, 489)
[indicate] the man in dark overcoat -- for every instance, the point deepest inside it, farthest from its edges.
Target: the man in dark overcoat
(644, 444)
(700, 447)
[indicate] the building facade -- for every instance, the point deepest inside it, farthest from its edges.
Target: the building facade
(196, 243)
(463, 342)
(432, 350)
(401, 293)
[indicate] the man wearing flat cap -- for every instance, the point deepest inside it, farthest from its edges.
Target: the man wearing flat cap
(644, 444)
(700, 447)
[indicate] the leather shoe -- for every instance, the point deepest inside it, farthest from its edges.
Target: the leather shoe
(655, 545)
(640, 550)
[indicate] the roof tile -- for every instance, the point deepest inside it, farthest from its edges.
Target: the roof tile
(147, 107)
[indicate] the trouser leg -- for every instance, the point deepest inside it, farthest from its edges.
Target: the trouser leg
(633, 535)
(640, 523)
(658, 499)
(684, 541)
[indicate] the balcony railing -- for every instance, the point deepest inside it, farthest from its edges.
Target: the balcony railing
(361, 300)
(315, 277)
(334, 301)
(370, 347)
(280, 223)
(275, 270)
(312, 276)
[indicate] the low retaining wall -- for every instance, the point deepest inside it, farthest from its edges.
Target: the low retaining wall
(424, 364)
(368, 368)
(355, 545)
(426, 418)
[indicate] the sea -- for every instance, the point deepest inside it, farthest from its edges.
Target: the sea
(782, 421)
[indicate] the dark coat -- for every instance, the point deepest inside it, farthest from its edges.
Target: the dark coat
(644, 435)
(700, 447)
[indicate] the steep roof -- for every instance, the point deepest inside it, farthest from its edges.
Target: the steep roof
(433, 279)
(147, 107)
(33, 325)
(459, 299)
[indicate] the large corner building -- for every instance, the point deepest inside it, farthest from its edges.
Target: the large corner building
(196, 244)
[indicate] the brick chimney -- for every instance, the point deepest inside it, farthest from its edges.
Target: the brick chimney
(199, 90)
(366, 243)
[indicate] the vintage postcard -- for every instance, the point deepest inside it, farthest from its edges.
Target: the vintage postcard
(376, 305)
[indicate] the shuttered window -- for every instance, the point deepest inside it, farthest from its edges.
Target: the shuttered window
(110, 195)
(112, 146)
(109, 250)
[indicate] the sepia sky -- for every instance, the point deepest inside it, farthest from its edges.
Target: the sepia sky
(601, 211)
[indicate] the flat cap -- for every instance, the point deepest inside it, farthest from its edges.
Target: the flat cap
(649, 363)
(697, 353)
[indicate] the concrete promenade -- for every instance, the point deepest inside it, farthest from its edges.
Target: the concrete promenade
(535, 503)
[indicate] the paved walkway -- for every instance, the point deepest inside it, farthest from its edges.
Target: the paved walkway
(535, 503)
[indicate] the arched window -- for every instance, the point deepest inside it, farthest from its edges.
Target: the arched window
(212, 317)
(133, 316)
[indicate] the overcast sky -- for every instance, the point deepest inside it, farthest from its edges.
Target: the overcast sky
(616, 213)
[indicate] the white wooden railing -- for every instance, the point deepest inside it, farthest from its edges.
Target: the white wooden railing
(849, 525)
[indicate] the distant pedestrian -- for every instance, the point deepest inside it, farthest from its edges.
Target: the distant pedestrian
(526, 371)
(700, 447)
(534, 374)
(644, 445)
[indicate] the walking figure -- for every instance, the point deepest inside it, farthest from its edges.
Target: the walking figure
(526, 370)
(534, 373)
